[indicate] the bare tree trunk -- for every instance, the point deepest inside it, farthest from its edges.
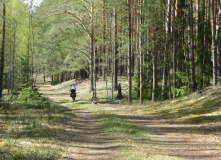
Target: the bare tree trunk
(141, 39)
(13, 61)
(115, 51)
(154, 57)
(166, 32)
(92, 52)
(104, 40)
(219, 38)
(193, 81)
(129, 51)
(174, 51)
(154, 54)
(197, 16)
(3, 50)
(214, 55)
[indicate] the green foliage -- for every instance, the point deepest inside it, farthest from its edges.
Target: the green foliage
(28, 93)
(10, 151)
(55, 82)
(31, 130)
(182, 91)
(147, 88)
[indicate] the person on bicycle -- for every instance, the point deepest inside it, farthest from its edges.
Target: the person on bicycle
(73, 91)
(72, 87)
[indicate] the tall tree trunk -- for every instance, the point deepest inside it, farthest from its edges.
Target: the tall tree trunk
(219, 38)
(92, 52)
(166, 69)
(174, 50)
(141, 39)
(115, 50)
(193, 81)
(129, 51)
(94, 77)
(154, 54)
(154, 59)
(197, 16)
(214, 55)
(104, 40)
(13, 60)
(3, 50)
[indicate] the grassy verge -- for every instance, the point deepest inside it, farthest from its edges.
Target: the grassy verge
(33, 129)
(200, 108)
(131, 139)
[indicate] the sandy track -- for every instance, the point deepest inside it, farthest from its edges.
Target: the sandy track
(182, 141)
(89, 141)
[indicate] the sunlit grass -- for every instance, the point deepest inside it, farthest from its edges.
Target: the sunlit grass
(133, 141)
(197, 108)
(116, 124)
(32, 132)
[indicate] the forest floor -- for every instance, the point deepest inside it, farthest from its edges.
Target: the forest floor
(119, 131)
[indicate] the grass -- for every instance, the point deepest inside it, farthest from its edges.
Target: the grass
(116, 124)
(197, 108)
(33, 131)
(132, 140)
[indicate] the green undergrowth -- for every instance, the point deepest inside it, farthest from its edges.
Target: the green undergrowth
(33, 129)
(201, 107)
(116, 124)
(132, 140)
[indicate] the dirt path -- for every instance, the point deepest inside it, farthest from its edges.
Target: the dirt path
(89, 141)
(184, 141)
(181, 141)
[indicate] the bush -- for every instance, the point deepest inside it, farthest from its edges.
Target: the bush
(28, 93)
(55, 82)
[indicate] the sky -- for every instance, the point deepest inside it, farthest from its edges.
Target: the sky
(36, 2)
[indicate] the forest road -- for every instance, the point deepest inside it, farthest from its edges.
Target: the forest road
(171, 140)
(89, 141)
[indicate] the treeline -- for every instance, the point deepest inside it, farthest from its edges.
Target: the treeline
(165, 48)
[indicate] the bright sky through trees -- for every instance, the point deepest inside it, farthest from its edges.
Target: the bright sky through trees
(36, 2)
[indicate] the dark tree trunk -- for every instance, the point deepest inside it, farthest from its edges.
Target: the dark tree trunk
(104, 40)
(174, 51)
(193, 81)
(115, 50)
(129, 51)
(141, 41)
(3, 50)
(219, 39)
(214, 55)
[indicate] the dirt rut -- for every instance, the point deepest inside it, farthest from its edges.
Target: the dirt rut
(89, 141)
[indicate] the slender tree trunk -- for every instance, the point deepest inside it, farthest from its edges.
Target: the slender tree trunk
(174, 50)
(104, 40)
(115, 51)
(154, 59)
(154, 54)
(3, 50)
(214, 55)
(129, 51)
(94, 77)
(166, 59)
(164, 82)
(197, 16)
(219, 39)
(92, 52)
(141, 39)
(33, 47)
(193, 81)
(13, 61)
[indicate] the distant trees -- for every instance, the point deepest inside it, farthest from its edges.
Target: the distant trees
(166, 49)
